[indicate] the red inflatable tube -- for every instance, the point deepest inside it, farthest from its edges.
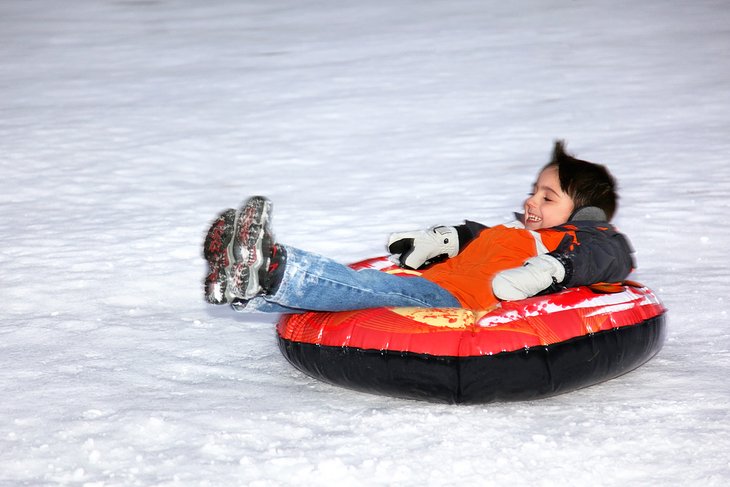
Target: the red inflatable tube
(520, 350)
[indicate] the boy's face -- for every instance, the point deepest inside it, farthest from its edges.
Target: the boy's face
(548, 205)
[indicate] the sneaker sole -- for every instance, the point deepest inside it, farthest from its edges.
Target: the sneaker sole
(251, 236)
(216, 250)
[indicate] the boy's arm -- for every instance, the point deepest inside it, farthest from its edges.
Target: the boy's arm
(591, 252)
(421, 248)
(468, 232)
(601, 255)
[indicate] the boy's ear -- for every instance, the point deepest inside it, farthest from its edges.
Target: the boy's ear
(588, 213)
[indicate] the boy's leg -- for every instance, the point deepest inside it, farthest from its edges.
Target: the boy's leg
(260, 305)
(313, 282)
(294, 279)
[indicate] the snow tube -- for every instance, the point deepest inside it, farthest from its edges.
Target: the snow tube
(520, 350)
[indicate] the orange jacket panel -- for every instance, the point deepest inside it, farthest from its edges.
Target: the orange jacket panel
(468, 275)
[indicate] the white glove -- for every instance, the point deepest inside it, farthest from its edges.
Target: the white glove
(421, 246)
(538, 274)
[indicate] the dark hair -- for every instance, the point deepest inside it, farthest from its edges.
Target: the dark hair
(587, 183)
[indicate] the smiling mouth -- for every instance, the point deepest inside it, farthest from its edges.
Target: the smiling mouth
(533, 218)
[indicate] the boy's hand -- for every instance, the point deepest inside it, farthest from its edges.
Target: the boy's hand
(538, 274)
(421, 246)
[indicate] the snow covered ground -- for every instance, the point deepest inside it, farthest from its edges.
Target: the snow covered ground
(126, 125)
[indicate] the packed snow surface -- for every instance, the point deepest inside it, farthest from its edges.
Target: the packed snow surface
(127, 125)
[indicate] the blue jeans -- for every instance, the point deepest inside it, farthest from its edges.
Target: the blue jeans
(312, 282)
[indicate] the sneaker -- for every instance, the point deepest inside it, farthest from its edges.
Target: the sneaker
(252, 248)
(269, 279)
(275, 271)
(216, 251)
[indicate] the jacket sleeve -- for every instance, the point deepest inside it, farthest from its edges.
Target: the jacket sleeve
(596, 253)
(468, 232)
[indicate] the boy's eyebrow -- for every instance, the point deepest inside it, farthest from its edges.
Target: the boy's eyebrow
(546, 188)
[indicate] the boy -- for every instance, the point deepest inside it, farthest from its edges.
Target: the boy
(562, 240)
